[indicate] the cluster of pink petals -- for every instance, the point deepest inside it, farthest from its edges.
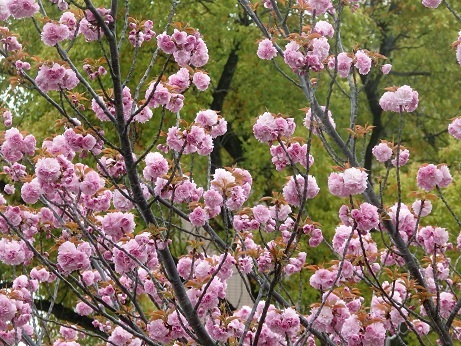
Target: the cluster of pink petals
(186, 49)
(16, 145)
(295, 264)
(404, 99)
(159, 94)
(431, 3)
(344, 63)
(383, 152)
(432, 239)
(350, 182)
(156, 166)
(315, 233)
(193, 140)
(106, 110)
(277, 327)
(296, 192)
(16, 310)
(56, 77)
(137, 36)
(290, 153)
(89, 27)
(366, 217)
(362, 62)
(318, 6)
(348, 241)
(7, 118)
(266, 50)
(8, 40)
(317, 125)
(269, 127)
(117, 224)
(317, 52)
(79, 142)
(113, 166)
(201, 80)
(386, 68)
(430, 176)
(71, 257)
(422, 207)
(406, 221)
(199, 137)
(54, 33)
(454, 128)
(324, 28)
(15, 172)
(93, 72)
(185, 191)
(18, 9)
(14, 252)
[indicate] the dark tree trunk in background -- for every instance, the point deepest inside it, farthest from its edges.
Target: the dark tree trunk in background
(230, 142)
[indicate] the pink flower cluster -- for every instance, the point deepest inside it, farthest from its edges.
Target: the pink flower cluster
(138, 35)
(14, 252)
(431, 3)
(201, 80)
(94, 72)
(324, 28)
(290, 153)
(186, 49)
(430, 176)
(54, 33)
(422, 207)
(350, 182)
(156, 166)
(15, 172)
(117, 224)
(266, 50)
(9, 41)
(199, 137)
(89, 25)
(79, 142)
(71, 257)
(7, 118)
(219, 267)
(16, 145)
(385, 150)
(362, 62)
(386, 68)
(158, 94)
(366, 217)
(18, 9)
(406, 221)
(404, 99)
(317, 125)
(277, 327)
(140, 250)
(319, 6)
(185, 191)
(344, 63)
(432, 239)
(16, 310)
(56, 77)
(296, 192)
(317, 51)
(269, 127)
(454, 128)
(315, 233)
